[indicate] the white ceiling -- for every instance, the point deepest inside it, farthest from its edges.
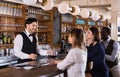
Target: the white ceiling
(78, 2)
(85, 2)
(81, 3)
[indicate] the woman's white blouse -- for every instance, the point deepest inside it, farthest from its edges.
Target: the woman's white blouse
(75, 63)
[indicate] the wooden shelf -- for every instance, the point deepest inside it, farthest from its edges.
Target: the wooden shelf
(11, 30)
(43, 27)
(10, 25)
(10, 16)
(43, 42)
(4, 46)
(65, 32)
(43, 20)
(47, 42)
(99, 26)
(67, 23)
(43, 30)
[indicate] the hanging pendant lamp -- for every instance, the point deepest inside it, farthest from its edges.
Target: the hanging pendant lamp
(75, 10)
(46, 4)
(84, 13)
(103, 18)
(96, 17)
(63, 7)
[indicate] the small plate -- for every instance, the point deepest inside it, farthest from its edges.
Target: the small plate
(28, 67)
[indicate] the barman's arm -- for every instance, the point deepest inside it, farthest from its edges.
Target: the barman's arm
(40, 50)
(18, 43)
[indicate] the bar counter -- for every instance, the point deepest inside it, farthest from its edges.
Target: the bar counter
(38, 68)
(42, 71)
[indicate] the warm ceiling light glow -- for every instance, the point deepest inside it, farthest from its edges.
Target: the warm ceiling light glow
(30, 2)
(92, 13)
(102, 18)
(75, 10)
(63, 8)
(46, 4)
(96, 17)
(85, 13)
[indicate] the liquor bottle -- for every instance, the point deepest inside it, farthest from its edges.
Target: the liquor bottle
(1, 41)
(4, 38)
(9, 39)
(44, 37)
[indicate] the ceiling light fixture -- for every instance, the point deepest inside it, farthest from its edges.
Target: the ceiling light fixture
(46, 4)
(85, 13)
(96, 16)
(64, 8)
(75, 10)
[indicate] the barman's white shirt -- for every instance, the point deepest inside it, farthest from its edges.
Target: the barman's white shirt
(75, 63)
(115, 50)
(18, 43)
(115, 70)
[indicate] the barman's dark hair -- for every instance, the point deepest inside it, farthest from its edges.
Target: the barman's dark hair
(107, 29)
(30, 20)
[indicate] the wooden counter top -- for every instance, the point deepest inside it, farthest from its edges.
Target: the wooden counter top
(41, 71)
(38, 70)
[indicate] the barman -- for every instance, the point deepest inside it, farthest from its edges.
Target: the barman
(26, 43)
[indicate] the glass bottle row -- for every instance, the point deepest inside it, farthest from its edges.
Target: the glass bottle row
(10, 9)
(66, 28)
(32, 12)
(43, 38)
(6, 52)
(6, 38)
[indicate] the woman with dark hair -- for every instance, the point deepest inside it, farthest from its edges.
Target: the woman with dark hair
(96, 53)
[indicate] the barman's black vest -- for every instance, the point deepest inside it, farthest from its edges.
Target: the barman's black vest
(28, 46)
(109, 51)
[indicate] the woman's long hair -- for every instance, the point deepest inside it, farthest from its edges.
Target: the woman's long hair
(78, 36)
(96, 34)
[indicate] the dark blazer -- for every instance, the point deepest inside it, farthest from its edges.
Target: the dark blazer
(96, 54)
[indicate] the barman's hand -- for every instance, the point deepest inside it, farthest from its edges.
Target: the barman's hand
(32, 56)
